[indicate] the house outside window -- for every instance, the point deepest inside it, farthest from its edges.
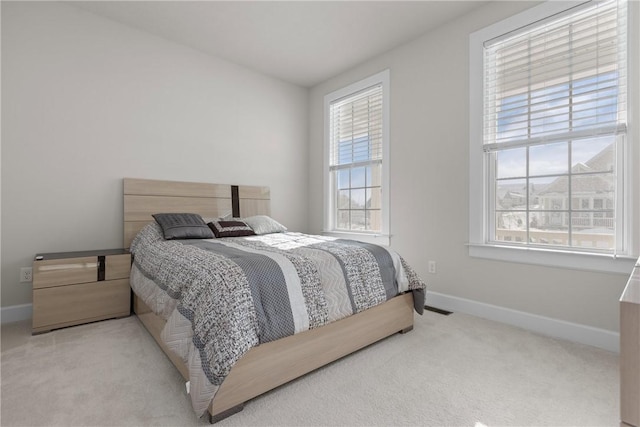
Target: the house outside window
(356, 160)
(549, 138)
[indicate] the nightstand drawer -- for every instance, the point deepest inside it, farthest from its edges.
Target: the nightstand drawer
(60, 306)
(70, 288)
(117, 266)
(56, 272)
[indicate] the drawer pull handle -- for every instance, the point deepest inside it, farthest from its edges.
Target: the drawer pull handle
(68, 266)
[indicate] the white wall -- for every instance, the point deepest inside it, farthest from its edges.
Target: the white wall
(429, 181)
(87, 101)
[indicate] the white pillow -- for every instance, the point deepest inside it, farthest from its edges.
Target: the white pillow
(262, 224)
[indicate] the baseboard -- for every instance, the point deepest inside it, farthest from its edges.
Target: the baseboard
(15, 313)
(601, 338)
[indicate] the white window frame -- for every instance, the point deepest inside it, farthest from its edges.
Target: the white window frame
(382, 237)
(479, 179)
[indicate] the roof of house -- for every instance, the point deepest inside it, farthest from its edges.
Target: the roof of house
(599, 183)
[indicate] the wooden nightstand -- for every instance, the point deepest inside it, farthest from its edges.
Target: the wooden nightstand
(71, 288)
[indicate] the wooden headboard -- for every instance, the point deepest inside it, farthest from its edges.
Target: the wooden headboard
(145, 197)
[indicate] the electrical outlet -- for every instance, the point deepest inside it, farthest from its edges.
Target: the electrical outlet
(432, 267)
(26, 274)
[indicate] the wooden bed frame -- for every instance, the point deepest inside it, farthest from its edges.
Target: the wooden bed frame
(272, 364)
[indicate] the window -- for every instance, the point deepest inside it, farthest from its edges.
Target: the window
(549, 131)
(356, 157)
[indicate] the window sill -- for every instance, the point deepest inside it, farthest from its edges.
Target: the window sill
(377, 239)
(554, 258)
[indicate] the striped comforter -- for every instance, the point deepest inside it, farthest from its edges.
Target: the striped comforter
(221, 297)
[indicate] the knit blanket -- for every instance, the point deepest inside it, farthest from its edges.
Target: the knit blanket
(221, 297)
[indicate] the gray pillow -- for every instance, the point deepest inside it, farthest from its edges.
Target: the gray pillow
(183, 226)
(262, 224)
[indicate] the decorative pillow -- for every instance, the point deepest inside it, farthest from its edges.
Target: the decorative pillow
(263, 224)
(234, 228)
(183, 226)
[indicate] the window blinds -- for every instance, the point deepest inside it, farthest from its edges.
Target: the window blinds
(356, 129)
(561, 78)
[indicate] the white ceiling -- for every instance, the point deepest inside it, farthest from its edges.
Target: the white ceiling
(304, 43)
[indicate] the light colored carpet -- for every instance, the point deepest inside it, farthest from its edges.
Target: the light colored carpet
(450, 370)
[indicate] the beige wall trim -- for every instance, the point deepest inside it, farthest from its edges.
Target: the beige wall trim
(601, 338)
(16, 313)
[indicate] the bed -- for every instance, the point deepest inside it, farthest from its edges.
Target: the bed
(265, 366)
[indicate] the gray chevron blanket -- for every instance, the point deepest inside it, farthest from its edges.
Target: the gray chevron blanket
(221, 297)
